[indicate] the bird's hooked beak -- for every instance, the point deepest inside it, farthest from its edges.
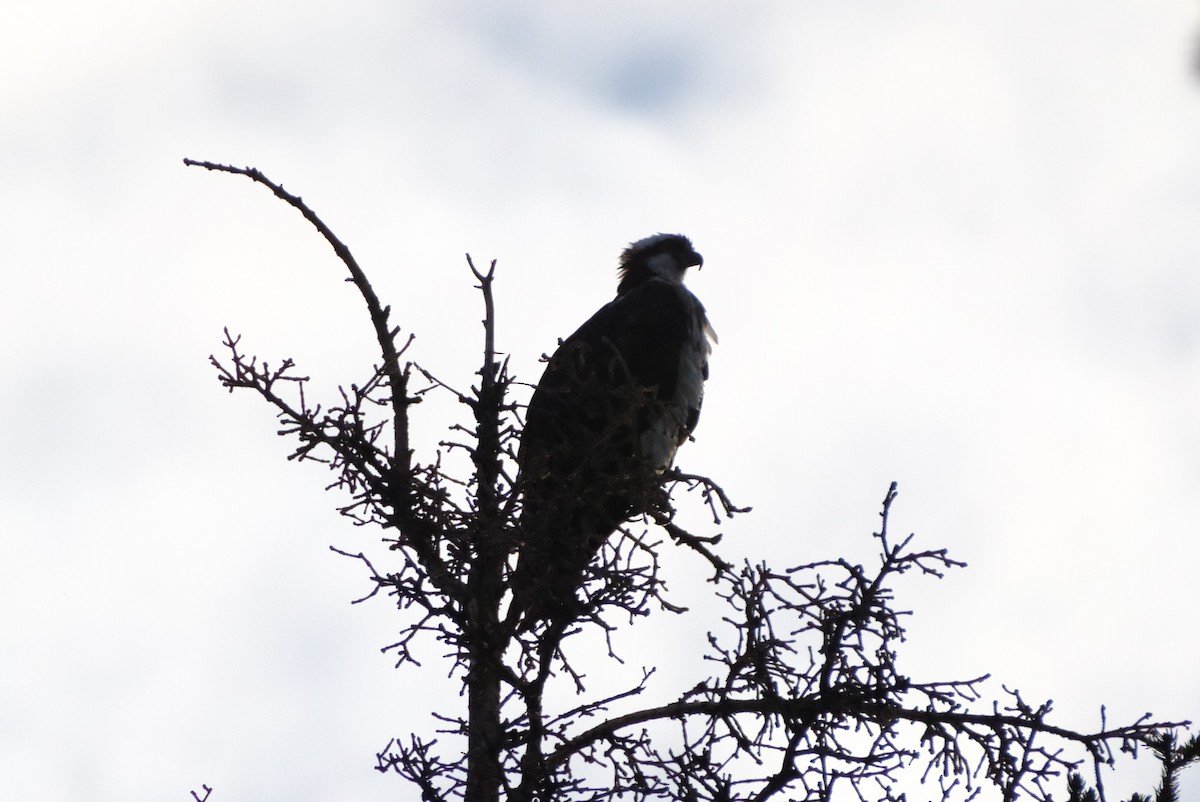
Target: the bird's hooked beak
(697, 261)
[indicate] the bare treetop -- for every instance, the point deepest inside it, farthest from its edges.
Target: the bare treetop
(807, 698)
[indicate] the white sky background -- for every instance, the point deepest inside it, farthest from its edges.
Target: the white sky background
(950, 244)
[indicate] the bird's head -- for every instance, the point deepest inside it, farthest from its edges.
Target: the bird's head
(666, 256)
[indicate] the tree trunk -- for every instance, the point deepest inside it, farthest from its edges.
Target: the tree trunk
(484, 736)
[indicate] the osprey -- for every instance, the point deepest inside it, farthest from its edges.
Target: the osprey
(616, 401)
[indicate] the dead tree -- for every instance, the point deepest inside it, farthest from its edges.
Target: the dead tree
(806, 695)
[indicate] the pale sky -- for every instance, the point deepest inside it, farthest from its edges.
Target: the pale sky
(955, 245)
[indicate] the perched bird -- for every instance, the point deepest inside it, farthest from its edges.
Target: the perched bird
(616, 401)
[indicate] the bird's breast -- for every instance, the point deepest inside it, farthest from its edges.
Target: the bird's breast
(671, 428)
